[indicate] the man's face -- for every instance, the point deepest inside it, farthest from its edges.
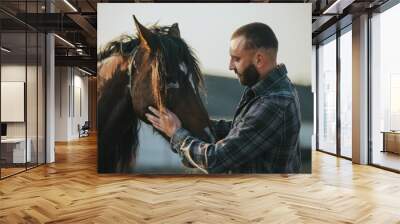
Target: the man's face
(241, 62)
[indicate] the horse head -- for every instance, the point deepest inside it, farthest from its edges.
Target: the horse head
(156, 68)
(165, 74)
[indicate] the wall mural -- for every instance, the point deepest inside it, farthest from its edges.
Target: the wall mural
(204, 88)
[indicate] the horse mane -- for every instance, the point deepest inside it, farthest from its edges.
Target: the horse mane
(173, 47)
(123, 45)
(118, 125)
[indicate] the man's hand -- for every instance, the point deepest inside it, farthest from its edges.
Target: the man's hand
(166, 122)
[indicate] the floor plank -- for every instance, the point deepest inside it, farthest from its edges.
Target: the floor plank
(71, 191)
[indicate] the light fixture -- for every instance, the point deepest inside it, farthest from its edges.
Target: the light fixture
(70, 5)
(84, 71)
(80, 51)
(64, 40)
(5, 50)
(337, 7)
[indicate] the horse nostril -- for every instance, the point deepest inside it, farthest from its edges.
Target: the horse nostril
(210, 136)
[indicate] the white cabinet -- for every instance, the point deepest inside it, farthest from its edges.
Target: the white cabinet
(16, 147)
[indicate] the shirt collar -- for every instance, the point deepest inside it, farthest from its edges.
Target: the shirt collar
(273, 76)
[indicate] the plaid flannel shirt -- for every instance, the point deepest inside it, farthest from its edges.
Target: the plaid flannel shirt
(262, 138)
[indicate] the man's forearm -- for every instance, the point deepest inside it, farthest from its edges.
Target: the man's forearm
(221, 128)
(177, 141)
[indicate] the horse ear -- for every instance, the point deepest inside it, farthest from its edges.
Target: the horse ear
(174, 30)
(146, 37)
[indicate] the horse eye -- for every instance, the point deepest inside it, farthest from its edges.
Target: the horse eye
(173, 85)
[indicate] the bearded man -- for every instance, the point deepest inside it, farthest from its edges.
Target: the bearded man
(263, 136)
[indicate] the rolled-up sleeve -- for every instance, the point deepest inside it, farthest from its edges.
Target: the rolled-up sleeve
(256, 132)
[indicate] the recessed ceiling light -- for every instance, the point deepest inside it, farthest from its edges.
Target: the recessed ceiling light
(337, 6)
(64, 40)
(70, 5)
(5, 50)
(84, 71)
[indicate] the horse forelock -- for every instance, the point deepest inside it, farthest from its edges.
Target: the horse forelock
(178, 55)
(158, 91)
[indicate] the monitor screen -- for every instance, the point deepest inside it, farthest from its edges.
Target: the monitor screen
(3, 129)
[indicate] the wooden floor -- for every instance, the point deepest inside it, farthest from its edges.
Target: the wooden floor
(70, 191)
(10, 171)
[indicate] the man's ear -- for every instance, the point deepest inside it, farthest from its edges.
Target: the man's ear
(259, 59)
(147, 39)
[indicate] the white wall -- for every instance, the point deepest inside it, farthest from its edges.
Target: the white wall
(70, 83)
(12, 73)
(61, 103)
(80, 85)
(16, 73)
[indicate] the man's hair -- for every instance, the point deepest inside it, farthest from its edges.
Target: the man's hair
(258, 35)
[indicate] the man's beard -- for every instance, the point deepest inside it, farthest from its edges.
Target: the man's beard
(249, 77)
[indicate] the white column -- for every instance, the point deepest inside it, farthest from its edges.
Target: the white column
(50, 110)
(360, 90)
(50, 92)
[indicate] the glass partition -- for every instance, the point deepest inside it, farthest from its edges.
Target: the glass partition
(327, 96)
(14, 154)
(22, 64)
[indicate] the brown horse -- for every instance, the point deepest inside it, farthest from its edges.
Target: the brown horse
(156, 68)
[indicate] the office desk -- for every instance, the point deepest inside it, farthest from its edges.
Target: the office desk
(391, 141)
(13, 150)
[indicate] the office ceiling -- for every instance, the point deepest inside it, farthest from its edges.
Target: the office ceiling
(76, 22)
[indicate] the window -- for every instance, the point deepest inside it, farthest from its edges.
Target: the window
(385, 89)
(346, 94)
(327, 96)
